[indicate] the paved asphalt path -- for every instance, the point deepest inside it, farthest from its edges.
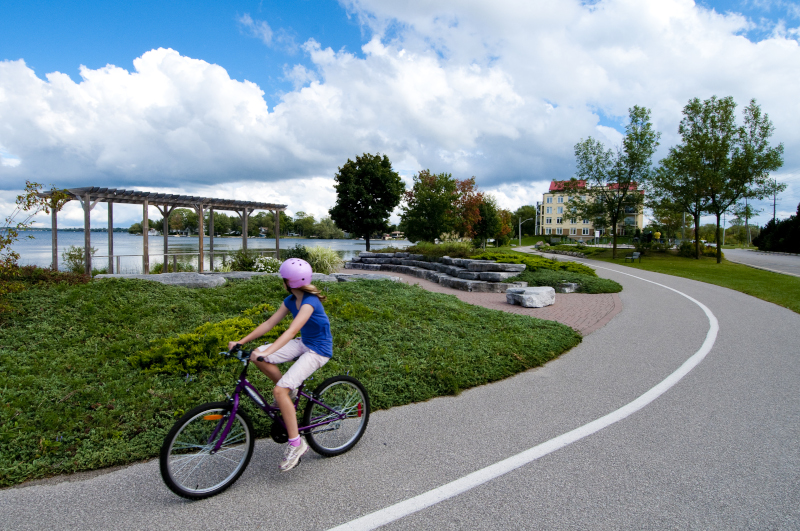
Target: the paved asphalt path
(719, 450)
(788, 264)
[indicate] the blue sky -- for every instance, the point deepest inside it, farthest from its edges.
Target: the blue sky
(61, 36)
(266, 99)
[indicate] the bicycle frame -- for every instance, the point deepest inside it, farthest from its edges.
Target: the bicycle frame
(243, 385)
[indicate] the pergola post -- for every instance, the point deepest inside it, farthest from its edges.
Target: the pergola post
(245, 214)
(278, 234)
(111, 238)
(200, 220)
(145, 241)
(87, 236)
(211, 239)
(54, 225)
(165, 213)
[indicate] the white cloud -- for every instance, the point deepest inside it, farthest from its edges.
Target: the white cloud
(256, 28)
(500, 91)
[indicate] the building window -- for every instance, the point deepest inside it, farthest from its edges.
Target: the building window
(572, 221)
(585, 231)
(558, 231)
(573, 231)
(549, 210)
(586, 221)
(548, 231)
(560, 210)
(549, 199)
(548, 220)
(558, 220)
(561, 199)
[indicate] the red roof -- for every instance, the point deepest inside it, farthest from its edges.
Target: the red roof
(556, 186)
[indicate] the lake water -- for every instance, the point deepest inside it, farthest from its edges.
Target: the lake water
(37, 250)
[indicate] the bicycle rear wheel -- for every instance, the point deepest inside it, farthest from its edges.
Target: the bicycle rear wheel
(187, 465)
(345, 395)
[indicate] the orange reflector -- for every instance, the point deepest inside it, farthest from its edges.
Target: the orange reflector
(212, 417)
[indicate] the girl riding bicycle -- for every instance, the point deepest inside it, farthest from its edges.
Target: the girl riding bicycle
(311, 351)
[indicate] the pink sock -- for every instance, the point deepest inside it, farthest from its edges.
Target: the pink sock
(295, 442)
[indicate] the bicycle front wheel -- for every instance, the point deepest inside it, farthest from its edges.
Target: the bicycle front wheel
(334, 435)
(189, 467)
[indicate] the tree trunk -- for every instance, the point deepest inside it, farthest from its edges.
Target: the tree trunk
(719, 246)
(746, 220)
(696, 236)
(613, 242)
(366, 237)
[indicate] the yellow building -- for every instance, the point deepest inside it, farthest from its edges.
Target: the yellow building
(555, 223)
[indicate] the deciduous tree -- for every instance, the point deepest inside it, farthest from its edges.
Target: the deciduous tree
(610, 180)
(429, 208)
(367, 191)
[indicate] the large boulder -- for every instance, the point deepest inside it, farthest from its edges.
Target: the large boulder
(535, 297)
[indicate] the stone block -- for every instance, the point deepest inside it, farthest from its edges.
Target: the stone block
(356, 258)
(536, 297)
(366, 254)
(567, 287)
(376, 260)
(416, 257)
(346, 277)
(401, 255)
(494, 276)
(186, 280)
(487, 266)
(468, 275)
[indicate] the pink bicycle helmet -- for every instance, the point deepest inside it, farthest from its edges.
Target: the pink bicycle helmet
(297, 272)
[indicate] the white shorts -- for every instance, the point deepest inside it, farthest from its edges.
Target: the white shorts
(307, 362)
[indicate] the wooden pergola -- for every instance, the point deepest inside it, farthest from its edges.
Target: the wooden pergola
(165, 203)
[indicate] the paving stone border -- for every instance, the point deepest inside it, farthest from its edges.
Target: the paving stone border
(458, 273)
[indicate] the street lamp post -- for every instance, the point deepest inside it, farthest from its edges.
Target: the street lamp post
(520, 229)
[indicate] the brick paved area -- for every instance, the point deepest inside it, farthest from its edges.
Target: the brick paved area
(584, 313)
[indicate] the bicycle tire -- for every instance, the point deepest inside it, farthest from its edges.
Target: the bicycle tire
(343, 394)
(187, 466)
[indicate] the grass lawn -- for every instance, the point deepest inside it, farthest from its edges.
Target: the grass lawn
(94, 375)
(783, 290)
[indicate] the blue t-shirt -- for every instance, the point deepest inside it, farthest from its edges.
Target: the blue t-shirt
(316, 333)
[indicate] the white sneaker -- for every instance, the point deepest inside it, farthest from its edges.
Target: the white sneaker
(292, 455)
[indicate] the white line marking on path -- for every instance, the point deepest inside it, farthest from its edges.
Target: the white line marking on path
(479, 477)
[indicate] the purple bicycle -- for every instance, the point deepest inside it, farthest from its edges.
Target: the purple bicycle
(207, 450)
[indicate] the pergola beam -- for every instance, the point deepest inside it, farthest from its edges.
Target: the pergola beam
(90, 196)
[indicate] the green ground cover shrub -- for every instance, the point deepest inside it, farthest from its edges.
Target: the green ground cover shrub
(587, 283)
(542, 271)
(183, 267)
(687, 250)
(536, 262)
(587, 250)
(438, 250)
(94, 375)
(298, 251)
